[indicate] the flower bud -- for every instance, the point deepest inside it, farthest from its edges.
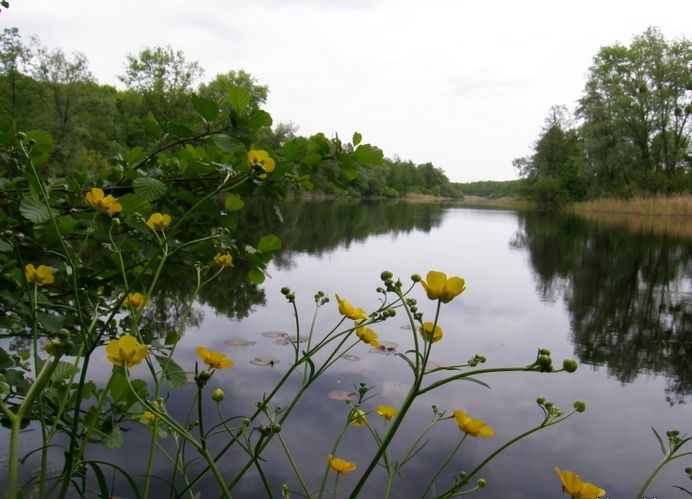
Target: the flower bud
(540, 400)
(389, 282)
(386, 275)
(52, 346)
(579, 405)
(285, 290)
(276, 428)
(217, 395)
(569, 365)
(544, 351)
(415, 278)
(545, 363)
(481, 483)
(63, 334)
(21, 136)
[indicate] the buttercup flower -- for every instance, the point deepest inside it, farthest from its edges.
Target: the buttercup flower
(438, 287)
(147, 416)
(216, 360)
(126, 351)
(358, 417)
(341, 466)
(40, 276)
(223, 260)
(159, 221)
(573, 485)
(345, 308)
(261, 159)
(135, 300)
(386, 411)
(471, 426)
(104, 204)
(368, 336)
(430, 334)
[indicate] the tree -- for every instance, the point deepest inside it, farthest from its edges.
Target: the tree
(217, 89)
(13, 56)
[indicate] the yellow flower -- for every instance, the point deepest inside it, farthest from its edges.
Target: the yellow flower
(345, 308)
(40, 276)
(223, 260)
(357, 417)
(104, 204)
(438, 287)
(471, 426)
(428, 334)
(573, 485)
(148, 417)
(262, 160)
(217, 360)
(341, 466)
(126, 351)
(368, 336)
(158, 221)
(386, 411)
(135, 300)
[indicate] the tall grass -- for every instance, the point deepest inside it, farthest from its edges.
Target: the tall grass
(668, 206)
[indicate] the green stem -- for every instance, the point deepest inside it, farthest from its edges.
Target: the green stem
(292, 462)
(443, 465)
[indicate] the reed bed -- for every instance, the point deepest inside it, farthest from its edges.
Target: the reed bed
(668, 206)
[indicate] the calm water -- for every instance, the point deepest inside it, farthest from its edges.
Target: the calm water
(619, 303)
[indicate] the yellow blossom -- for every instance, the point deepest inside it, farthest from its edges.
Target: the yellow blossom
(341, 466)
(126, 351)
(159, 221)
(358, 417)
(104, 204)
(40, 276)
(471, 426)
(261, 159)
(386, 411)
(438, 287)
(135, 300)
(223, 260)
(345, 308)
(573, 485)
(216, 360)
(368, 336)
(148, 417)
(430, 334)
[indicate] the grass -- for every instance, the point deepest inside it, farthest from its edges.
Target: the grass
(658, 206)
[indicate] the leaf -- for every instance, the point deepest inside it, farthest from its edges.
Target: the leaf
(35, 210)
(227, 143)
(149, 187)
(63, 371)
(238, 98)
(369, 154)
(269, 243)
(152, 127)
(114, 438)
(180, 131)
(172, 371)
(135, 155)
(233, 202)
(43, 144)
(357, 137)
(208, 109)
(134, 203)
(5, 246)
(260, 118)
(256, 276)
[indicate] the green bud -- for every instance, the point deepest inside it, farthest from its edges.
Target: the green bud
(415, 278)
(386, 275)
(285, 290)
(32, 142)
(544, 351)
(569, 365)
(414, 309)
(481, 483)
(52, 346)
(21, 136)
(380, 290)
(63, 334)
(276, 428)
(545, 363)
(540, 400)
(579, 405)
(389, 282)
(203, 376)
(217, 395)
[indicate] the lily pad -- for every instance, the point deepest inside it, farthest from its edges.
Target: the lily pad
(343, 395)
(294, 338)
(382, 351)
(352, 358)
(264, 361)
(388, 345)
(239, 342)
(283, 341)
(274, 334)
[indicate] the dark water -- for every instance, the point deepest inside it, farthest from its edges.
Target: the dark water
(620, 303)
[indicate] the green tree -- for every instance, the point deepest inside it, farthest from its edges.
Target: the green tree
(217, 89)
(13, 55)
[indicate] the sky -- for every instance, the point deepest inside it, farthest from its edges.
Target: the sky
(465, 85)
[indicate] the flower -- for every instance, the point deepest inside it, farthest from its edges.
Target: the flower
(386, 411)
(341, 466)
(40, 276)
(430, 334)
(573, 485)
(104, 204)
(158, 221)
(223, 260)
(126, 351)
(438, 287)
(262, 160)
(345, 308)
(147, 417)
(135, 300)
(217, 395)
(368, 336)
(471, 426)
(216, 360)
(357, 417)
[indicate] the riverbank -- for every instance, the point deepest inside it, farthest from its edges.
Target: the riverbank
(656, 206)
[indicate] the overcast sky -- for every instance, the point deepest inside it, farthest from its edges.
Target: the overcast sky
(463, 84)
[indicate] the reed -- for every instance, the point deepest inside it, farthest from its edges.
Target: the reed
(668, 206)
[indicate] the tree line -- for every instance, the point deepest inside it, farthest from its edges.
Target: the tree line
(630, 132)
(90, 123)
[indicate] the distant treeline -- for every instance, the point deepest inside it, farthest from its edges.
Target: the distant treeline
(91, 124)
(630, 133)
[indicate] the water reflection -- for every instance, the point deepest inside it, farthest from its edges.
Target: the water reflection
(629, 296)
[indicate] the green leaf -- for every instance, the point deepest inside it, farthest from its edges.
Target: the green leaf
(63, 371)
(227, 143)
(208, 109)
(135, 155)
(238, 98)
(294, 150)
(233, 202)
(35, 210)
(357, 137)
(180, 131)
(269, 243)
(172, 372)
(5, 246)
(256, 276)
(149, 187)
(260, 118)
(114, 438)
(51, 323)
(369, 154)
(43, 144)
(134, 203)
(152, 127)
